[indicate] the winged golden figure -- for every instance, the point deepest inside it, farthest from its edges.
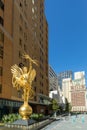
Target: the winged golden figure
(23, 77)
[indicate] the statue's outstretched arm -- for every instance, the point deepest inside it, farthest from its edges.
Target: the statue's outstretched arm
(31, 61)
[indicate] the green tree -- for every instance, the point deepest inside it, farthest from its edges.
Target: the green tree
(68, 106)
(61, 109)
(55, 106)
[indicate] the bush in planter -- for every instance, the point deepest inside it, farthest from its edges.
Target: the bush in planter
(41, 116)
(36, 116)
(10, 118)
(13, 117)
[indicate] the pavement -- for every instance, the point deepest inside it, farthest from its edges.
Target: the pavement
(78, 122)
(35, 126)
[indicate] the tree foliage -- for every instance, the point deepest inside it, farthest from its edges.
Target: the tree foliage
(55, 105)
(10, 118)
(68, 106)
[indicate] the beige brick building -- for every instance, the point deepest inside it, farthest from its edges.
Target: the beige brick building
(23, 28)
(78, 92)
(78, 98)
(66, 87)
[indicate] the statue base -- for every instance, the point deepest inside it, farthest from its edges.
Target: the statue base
(24, 122)
(25, 111)
(20, 124)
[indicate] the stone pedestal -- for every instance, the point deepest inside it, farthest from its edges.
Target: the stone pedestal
(24, 122)
(20, 124)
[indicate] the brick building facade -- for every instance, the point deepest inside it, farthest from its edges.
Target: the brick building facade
(23, 28)
(78, 98)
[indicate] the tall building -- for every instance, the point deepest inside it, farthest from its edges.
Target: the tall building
(78, 92)
(78, 98)
(54, 91)
(64, 75)
(79, 78)
(75, 91)
(23, 28)
(66, 87)
(53, 80)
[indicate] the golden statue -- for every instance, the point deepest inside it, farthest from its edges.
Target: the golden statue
(22, 79)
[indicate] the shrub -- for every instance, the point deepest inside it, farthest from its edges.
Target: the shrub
(36, 116)
(10, 118)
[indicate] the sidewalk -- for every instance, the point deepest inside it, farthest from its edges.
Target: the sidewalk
(44, 124)
(36, 126)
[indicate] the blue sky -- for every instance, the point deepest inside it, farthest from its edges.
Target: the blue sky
(67, 21)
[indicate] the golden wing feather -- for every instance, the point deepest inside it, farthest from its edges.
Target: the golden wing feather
(17, 73)
(31, 94)
(32, 76)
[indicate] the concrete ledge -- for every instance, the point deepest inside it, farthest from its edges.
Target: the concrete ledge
(43, 124)
(35, 126)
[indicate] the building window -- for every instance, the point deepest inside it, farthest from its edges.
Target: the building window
(33, 1)
(20, 29)
(1, 5)
(1, 36)
(0, 88)
(35, 88)
(26, 25)
(21, 18)
(20, 42)
(1, 20)
(1, 52)
(32, 10)
(25, 36)
(20, 54)
(35, 98)
(20, 4)
(25, 48)
(0, 71)
(25, 2)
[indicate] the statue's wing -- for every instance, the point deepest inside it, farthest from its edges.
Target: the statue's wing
(16, 71)
(32, 76)
(31, 94)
